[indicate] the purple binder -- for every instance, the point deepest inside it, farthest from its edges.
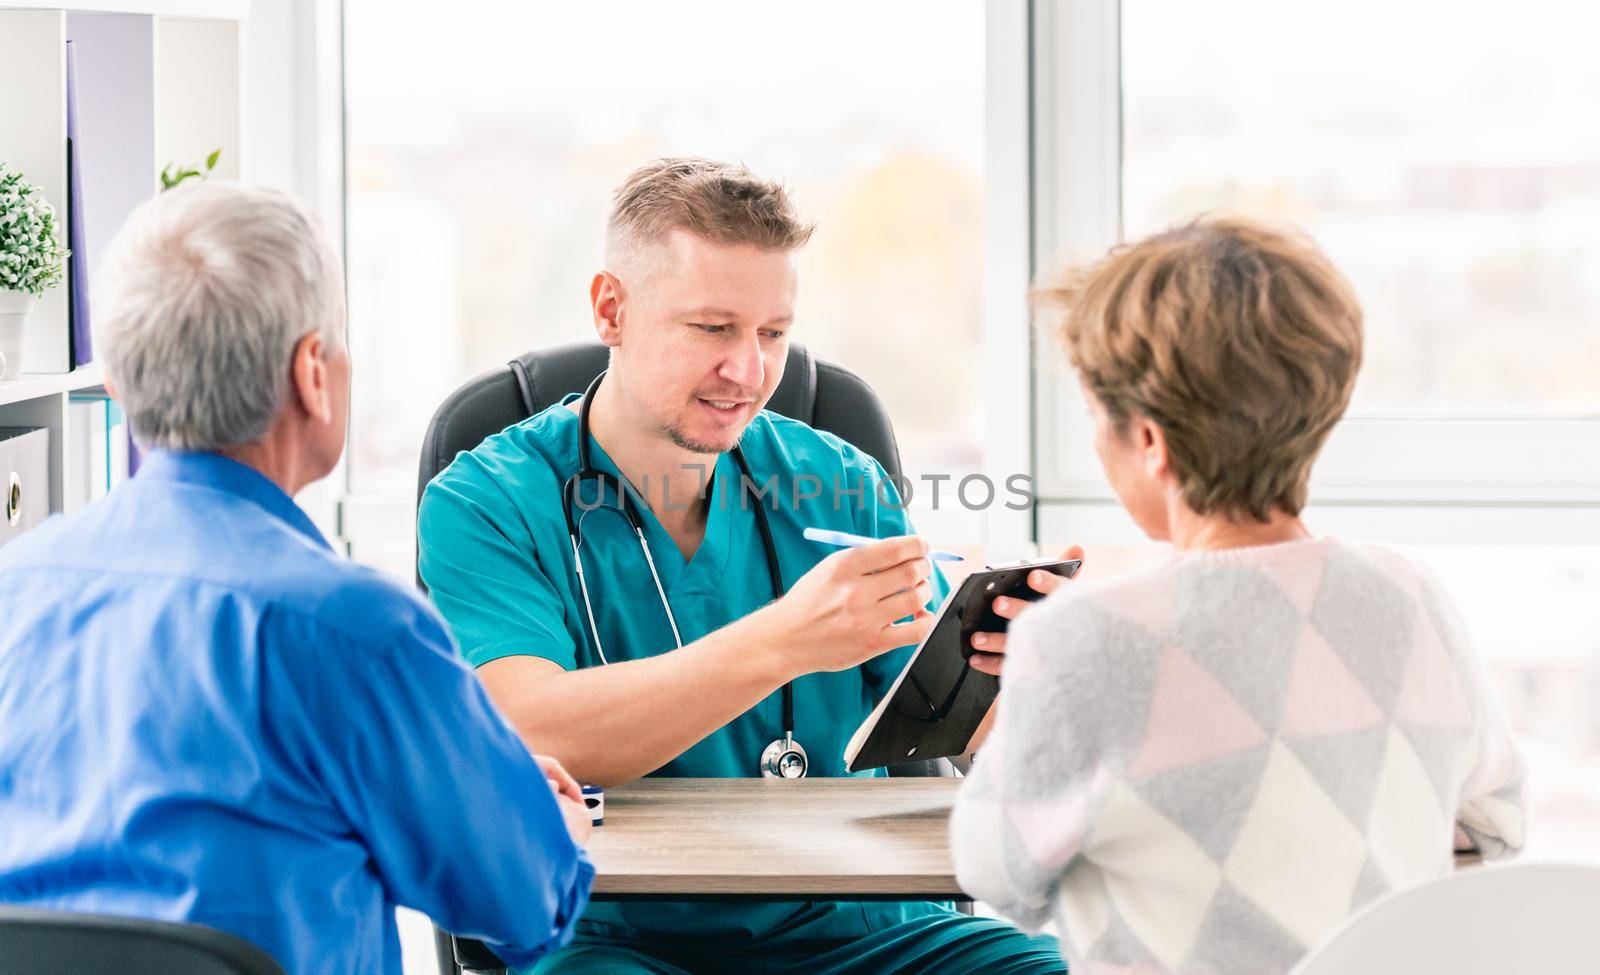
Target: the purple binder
(79, 343)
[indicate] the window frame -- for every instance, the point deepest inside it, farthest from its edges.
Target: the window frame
(1488, 479)
(307, 122)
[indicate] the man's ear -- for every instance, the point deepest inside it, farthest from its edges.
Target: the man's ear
(308, 374)
(605, 297)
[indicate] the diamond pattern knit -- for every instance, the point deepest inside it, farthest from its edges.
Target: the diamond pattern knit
(1206, 768)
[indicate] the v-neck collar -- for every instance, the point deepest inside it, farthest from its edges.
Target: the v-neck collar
(704, 571)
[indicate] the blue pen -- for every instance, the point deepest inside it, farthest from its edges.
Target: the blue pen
(846, 540)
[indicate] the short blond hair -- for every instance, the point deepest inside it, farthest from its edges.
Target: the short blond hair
(720, 202)
(1240, 341)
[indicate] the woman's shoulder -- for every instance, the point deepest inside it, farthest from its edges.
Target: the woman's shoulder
(1318, 577)
(1365, 584)
(1133, 599)
(1093, 628)
(1225, 595)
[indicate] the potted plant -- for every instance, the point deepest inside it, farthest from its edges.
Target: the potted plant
(31, 260)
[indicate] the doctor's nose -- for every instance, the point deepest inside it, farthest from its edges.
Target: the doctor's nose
(745, 366)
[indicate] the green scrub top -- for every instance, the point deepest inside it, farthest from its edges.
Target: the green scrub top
(495, 555)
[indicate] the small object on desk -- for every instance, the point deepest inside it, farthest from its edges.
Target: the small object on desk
(827, 536)
(595, 798)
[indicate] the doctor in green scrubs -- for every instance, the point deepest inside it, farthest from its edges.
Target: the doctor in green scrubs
(696, 303)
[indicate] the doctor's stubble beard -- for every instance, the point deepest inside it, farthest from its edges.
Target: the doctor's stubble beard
(681, 439)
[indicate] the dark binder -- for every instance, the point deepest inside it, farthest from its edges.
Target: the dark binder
(80, 350)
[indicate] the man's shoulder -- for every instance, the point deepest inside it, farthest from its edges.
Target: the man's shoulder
(528, 454)
(288, 577)
(154, 547)
(282, 570)
(55, 537)
(358, 602)
(797, 446)
(832, 481)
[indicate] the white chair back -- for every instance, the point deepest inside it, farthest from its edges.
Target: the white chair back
(1535, 918)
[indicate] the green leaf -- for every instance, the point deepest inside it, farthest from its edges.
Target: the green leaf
(211, 160)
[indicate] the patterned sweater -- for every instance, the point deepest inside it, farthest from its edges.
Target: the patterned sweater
(1207, 767)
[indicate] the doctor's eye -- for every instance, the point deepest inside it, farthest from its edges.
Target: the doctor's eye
(709, 329)
(775, 334)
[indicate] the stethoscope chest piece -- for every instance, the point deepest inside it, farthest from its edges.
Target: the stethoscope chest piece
(784, 759)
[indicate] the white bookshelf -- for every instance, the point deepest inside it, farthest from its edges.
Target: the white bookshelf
(158, 82)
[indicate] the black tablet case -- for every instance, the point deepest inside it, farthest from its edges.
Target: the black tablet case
(939, 700)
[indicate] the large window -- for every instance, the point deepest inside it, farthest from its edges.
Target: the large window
(1445, 161)
(485, 143)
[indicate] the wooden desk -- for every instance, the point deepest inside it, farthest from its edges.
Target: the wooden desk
(772, 839)
(769, 839)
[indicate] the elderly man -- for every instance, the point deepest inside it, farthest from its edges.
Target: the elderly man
(206, 715)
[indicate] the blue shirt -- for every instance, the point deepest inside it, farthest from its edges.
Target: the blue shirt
(208, 716)
(497, 561)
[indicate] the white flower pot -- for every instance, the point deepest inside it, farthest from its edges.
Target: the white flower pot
(14, 308)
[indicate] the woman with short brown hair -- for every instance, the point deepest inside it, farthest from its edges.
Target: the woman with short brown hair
(1206, 767)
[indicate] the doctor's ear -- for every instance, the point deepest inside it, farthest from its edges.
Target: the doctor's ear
(605, 297)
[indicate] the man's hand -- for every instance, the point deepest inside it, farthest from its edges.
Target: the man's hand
(842, 613)
(569, 798)
(579, 823)
(561, 782)
(991, 647)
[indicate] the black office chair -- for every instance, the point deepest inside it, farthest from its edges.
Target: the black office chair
(818, 393)
(38, 942)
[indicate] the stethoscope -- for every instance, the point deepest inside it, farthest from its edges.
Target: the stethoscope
(784, 758)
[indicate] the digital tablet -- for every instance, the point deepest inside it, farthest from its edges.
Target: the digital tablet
(938, 701)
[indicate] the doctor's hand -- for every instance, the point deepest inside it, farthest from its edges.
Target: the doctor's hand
(842, 613)
(991, 647)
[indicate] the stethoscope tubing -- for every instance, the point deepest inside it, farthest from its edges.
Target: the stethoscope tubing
(587, 471)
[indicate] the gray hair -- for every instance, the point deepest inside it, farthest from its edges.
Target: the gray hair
(199, 304)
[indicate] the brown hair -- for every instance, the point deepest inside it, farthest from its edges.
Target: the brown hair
(1239, 341)
(717, 201)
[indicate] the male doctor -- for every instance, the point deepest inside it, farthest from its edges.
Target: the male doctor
(675, 651)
